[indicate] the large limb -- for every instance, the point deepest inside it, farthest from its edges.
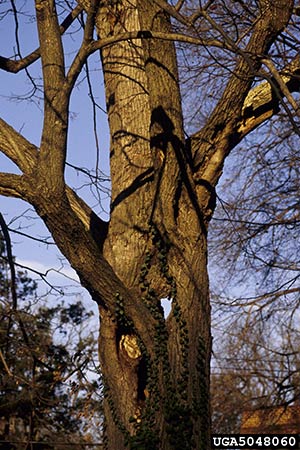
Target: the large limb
(10, 185)
(69, 223)
(211, 145)
(77, 232)
(25, 155)
(54, 135)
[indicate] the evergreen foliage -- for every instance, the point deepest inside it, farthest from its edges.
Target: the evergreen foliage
(46, 392)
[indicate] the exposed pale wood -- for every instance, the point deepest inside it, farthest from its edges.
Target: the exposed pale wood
(161, 203)
(263, 101)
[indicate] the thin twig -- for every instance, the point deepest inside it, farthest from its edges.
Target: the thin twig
(5, 364)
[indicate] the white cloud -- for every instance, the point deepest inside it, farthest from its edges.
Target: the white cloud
(51, 271)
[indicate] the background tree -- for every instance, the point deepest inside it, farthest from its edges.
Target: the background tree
(254, 237)
(46, 367)
(253, 369)
(156, 370)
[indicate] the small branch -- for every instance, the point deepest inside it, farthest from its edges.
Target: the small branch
(281, 83)
(43, 276)
(145, 34)
(228, 43)
(179, 5)
(90, 22)
(173, 12)
(262, 102)
(94, 109)
(10, 65)
(10, 259)
(87, 50)
(33, 238)
(269, 296)
(5, 364)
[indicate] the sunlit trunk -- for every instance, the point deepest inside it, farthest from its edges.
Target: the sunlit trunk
(156, 395)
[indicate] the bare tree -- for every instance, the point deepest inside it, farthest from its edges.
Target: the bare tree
(254, 238)
(256, 366)
(156, 370)
(258, 249)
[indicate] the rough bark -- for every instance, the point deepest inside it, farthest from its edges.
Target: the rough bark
(153, 205)
(143, 239)
(156, 371)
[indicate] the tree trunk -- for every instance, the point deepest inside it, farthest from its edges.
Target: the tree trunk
(155, 370)
(156, 394)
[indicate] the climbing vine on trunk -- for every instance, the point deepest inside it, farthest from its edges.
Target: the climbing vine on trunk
(155, 369)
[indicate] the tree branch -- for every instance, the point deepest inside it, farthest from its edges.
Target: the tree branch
(10, 65)
(5, 364)
(11, 185)
(51, 50)
(17, 148)
(85, 49)
(97, 227)
(179, 5)
(11, 263)
(25, 156)
(56, 101)
(211, 145)
(173, 12)
(145, 34)
(262, 102)
(281, 83)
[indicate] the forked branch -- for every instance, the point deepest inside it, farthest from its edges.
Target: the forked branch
(14, 66)
(224, 129)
